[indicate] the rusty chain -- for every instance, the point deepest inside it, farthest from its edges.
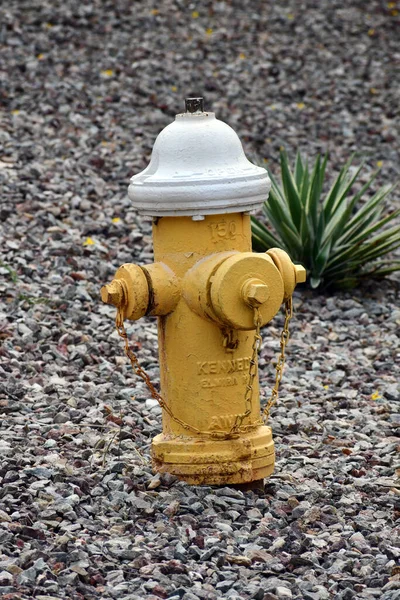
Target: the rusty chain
(281, 361)
(237, 427)
(252, 373)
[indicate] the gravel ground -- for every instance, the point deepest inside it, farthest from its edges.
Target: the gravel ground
(86, 86)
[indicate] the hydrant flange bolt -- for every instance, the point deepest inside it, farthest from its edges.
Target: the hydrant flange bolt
(113, 293)
(255, 292)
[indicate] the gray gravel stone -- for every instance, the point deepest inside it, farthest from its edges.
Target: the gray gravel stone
(283, 592)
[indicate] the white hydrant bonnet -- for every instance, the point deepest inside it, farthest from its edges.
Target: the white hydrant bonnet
(198, 167)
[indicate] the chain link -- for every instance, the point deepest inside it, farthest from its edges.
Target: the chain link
(252, 373)
(281, 361)
(237, 427)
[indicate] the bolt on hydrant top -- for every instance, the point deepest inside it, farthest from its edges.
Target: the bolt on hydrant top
(198, 167)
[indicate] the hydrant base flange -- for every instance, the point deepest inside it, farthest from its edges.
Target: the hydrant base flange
(216, 462)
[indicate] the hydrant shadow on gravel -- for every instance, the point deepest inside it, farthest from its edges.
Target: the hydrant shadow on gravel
(211, 295)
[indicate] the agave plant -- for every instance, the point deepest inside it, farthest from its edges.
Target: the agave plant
(337, 236)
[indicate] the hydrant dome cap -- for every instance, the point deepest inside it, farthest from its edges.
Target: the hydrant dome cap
(198, 167)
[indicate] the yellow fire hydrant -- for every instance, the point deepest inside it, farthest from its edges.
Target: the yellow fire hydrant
(211, 295)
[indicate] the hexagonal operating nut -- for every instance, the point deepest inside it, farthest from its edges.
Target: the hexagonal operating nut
(113, 293)
(300, 273)
(255, 292)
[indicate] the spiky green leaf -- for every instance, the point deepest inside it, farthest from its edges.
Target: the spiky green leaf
(336, 241)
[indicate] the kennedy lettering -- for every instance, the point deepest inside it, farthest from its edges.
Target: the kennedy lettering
(218, 367)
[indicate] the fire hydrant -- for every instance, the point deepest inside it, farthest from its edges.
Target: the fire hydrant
(211, 295)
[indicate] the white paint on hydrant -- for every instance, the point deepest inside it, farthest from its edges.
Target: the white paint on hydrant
(198, 167)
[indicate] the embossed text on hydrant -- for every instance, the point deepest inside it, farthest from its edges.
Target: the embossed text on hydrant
(223, 230)
(217, 367)
(232, 371)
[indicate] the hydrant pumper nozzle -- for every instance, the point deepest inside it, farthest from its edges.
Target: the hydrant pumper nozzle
(211, 295)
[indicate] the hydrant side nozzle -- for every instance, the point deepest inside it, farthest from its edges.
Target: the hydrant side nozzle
(129, 291)
(153, 290)
(291, 274)
(164, 288)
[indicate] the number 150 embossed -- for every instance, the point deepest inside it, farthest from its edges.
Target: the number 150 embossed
(223, 230)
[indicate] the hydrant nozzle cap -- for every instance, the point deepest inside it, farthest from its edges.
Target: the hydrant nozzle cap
(198, 167)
